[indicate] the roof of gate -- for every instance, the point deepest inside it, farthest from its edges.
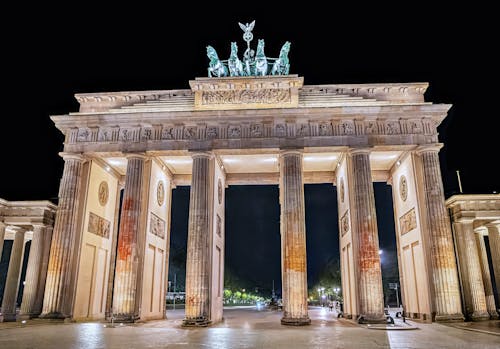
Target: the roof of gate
(309, 96)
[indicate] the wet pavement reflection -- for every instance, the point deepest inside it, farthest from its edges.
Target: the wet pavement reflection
(242, 328)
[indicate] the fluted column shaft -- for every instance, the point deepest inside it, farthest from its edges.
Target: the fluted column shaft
(42, 278)
(371, 296)
(444, 268)
(494, 240)
(33, 272)
(58, 298)
(13, 276)
(475, 279)
(2, 237)
(293, 240)
(485, 271)
(197, 262)
(128, 253)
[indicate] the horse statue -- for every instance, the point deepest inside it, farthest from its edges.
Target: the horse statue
(282, 65)
(215, 67)
(234, 63)
(260, 60)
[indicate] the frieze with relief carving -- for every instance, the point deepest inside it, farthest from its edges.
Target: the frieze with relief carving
(344, 223)
(157, 226)
(254, 130)
(408, 222)
(98, 225)
(266, 96)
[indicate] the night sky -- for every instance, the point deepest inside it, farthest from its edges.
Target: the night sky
(63, 51)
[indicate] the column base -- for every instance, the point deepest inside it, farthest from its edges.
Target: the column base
(494, 315)
(54, 316)
(288, 321)
(127, 318)
(449, 317)
(27, 316)
(372, 319)
(196, 322)
(480, 316)
(7, 317)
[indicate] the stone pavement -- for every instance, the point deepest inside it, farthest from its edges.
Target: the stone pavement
(242, 328)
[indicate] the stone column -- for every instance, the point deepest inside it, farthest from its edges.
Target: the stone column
(13, 276)
(58, 294)
(128, 253)
(364, 225)
(2, 237)
(42, 278)
(33, 273)
(485, 270)
(494, 239)
(293, 240)
(447, 304)
(475, 279)
(198, 250)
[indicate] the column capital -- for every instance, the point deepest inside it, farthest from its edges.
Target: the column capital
(360, 150)
(202, 154)
(38, 226)
(295, 151)
(72, 156)
(141, 156)
(427, 148)
(493, 225)
(16, 229)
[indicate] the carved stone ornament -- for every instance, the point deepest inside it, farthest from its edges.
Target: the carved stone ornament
(234, 131)
(157, 226)
(256, 130)
(280, 130)
(98, 225)
(342, 190)
(408, 221)
(211, 132)
(219, 191)
(160, 193)
(103, 193)
(344, 223)
(218, 228)
(264, 96)
(403, 188)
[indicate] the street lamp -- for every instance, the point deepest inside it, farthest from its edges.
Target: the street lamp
(321, 291)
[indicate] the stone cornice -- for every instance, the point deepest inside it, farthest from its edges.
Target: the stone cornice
(435, 148)
(363, 115)
(28, 212)
(391, 92)
(471, 207)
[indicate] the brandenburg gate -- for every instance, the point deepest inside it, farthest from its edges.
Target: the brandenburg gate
(246, 124)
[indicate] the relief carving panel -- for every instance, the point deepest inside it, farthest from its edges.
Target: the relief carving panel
(408, 221)
(157, 226)
(98, 225)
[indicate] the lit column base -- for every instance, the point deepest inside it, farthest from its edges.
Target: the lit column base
(54, 315)
(196, 322)
(128, 318)
(450, 318)
(7, 317)
(27, 316)
(288, 321)
(372, 319)
(477, 316)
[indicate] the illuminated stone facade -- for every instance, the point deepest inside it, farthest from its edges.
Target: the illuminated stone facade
(22, 221)
(476, 218)
(246, 130)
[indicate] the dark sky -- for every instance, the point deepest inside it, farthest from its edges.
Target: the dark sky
(51, 52)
